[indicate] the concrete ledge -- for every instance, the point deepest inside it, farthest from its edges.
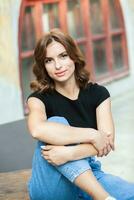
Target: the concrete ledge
(13, 185)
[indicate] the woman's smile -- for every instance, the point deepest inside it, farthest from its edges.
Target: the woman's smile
(61, 73)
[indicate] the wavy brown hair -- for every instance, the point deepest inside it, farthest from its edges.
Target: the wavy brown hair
(43, 81)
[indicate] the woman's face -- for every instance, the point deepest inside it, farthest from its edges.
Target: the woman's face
(58, 64)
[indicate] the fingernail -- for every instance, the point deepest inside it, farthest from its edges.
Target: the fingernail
(42, 147)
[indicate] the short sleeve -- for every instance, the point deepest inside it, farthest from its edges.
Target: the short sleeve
(100, 94)
(36, 94)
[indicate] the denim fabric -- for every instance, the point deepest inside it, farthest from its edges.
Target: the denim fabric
(48, 182)
(72, 170)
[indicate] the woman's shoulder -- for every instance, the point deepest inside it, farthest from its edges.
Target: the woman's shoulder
(98, 92)
(96, 87)
(36, 94)
(39, 95)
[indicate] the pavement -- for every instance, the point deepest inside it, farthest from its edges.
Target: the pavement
(121, 161)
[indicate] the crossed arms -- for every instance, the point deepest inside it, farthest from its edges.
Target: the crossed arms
(93, 142)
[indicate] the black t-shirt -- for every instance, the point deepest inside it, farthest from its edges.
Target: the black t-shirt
(80, 112)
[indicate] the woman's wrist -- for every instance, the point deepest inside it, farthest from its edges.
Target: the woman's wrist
(71, 153)
(92, 135)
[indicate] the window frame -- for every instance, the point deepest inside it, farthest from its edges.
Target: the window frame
(87, 40)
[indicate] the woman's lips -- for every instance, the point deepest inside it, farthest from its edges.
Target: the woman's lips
(60, 73)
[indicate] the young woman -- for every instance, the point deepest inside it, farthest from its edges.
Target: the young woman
(72, 121)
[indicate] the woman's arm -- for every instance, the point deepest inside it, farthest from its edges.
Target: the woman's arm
(54, 133)
(58, 155)
(106, 126)
(62, 154)
(82, 151)
(105, 122)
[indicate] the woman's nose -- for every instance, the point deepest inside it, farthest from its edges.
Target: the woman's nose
(57, 64)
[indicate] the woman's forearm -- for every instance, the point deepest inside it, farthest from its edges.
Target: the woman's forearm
(80, 151)
(60, 134)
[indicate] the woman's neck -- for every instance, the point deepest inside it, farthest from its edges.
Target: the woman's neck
(70, 89)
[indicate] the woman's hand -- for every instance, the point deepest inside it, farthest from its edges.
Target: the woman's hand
(103, 143)
(112, 140)
(56, 155)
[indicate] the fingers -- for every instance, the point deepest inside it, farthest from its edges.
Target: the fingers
(46, 156)
(44, 153)
(112, 145)
(111, 139)
(105, 151)
(47, 147)
(48, 159)
(100, 153)
(106, 146)
(109, 145)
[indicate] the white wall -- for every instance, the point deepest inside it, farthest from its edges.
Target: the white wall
(10, 93)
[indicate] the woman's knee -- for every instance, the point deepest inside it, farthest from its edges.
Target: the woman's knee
(58, 119)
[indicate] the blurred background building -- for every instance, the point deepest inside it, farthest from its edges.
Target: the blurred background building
(104, 32)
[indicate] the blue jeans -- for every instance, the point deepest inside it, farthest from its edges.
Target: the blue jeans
(48, 182)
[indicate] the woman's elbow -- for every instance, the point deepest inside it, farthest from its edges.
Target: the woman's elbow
(33, 132)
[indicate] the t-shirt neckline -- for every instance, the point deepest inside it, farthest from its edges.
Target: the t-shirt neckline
(65, 97)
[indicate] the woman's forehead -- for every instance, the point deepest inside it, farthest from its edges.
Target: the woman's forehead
(54, 48)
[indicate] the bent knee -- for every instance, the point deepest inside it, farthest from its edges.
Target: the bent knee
(58, 119)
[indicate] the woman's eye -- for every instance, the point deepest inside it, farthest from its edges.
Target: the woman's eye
(64, 55)
(48, 61)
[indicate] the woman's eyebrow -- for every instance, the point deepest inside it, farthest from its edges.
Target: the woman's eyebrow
(58, 55)
(48, 58)
(62, 52)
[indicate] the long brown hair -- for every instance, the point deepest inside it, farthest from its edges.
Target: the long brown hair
(43, 81)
